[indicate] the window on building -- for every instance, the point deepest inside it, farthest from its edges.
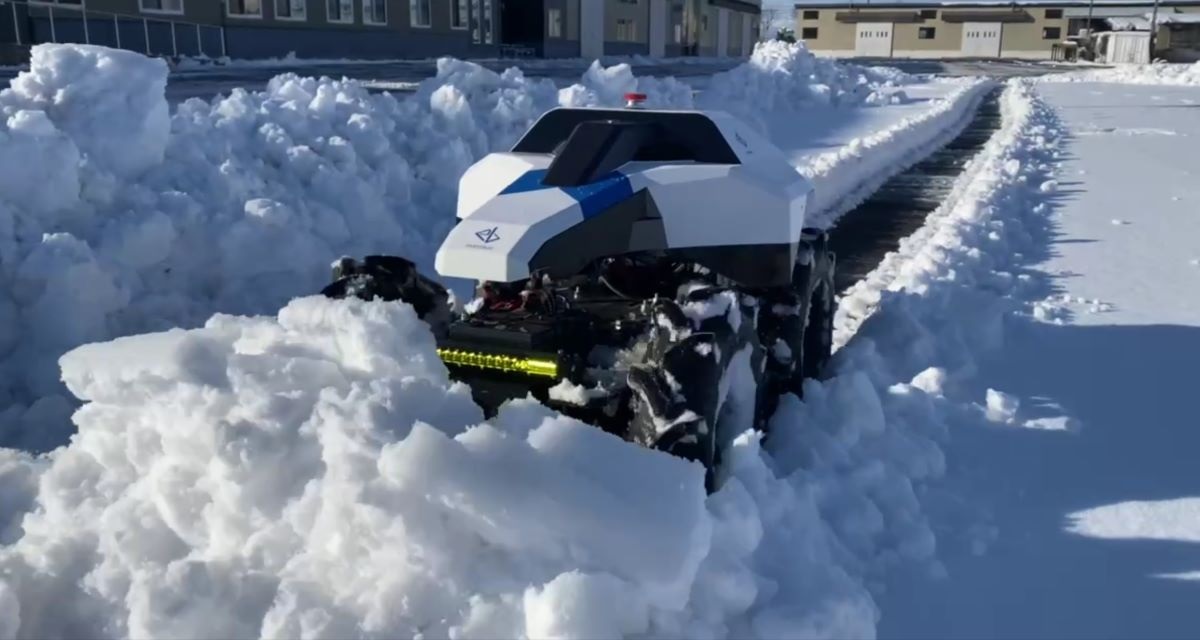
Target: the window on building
(554, 23)
(1053, 14)
(290, 9)
(375, 11)
(626, 30)
(926, 33)
(1051, 33)
(459, 14)
(928, 14)
(244, 8)
(1185, 38)
(420, 13)
(811, 15)
(157, 6)
(339, 10)
(808, 33)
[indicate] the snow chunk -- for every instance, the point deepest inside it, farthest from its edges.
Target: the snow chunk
(1001, 407)
(39, 165)
(111, 103)
(583, 607)
(570, 393)
(931, 380)
(1141, 520)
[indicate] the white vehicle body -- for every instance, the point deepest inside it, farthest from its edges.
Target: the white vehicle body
(751, 197)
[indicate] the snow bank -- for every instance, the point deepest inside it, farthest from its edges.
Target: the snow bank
(116, 220)
(781, 78)
(961, 263)
(315, 474)
(843, 178)
(1158, 73)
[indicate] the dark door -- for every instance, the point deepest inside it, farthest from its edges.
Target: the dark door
(523, 23)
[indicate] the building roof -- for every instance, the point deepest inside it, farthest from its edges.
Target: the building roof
(917, 4)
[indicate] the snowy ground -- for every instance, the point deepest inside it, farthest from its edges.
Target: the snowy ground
(951, 67)
(1070, 507)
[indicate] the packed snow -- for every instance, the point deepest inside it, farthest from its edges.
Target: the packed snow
(1158, 73)
(1069, 506)
(312, 471)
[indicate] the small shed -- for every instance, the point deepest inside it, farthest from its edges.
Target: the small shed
(1124, 47)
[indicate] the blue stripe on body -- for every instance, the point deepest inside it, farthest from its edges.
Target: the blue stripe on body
(593, 198)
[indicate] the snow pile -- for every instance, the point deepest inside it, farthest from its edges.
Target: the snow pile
(1157, 73)
(844, 177)
(787, 77)
(316, 474)
(109, 226)
(1175, 18)
(91, 93)
(942, 262)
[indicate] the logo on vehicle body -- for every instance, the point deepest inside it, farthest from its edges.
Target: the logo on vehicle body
(488, 236)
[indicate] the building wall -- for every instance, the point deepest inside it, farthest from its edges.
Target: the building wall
(1027, 37)
(831, 34)
(268, 35)
(1024, 38)
(734, 41)
(637, 11)
(573, 20)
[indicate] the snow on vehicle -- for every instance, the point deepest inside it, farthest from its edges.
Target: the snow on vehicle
(644, 270)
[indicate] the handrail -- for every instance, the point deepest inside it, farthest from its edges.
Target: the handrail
(87, 15)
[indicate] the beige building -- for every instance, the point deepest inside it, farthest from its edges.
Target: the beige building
(1021, 30)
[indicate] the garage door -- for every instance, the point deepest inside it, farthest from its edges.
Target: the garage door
(981, 39)
(874, 39)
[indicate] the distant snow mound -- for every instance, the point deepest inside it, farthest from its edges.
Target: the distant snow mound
(1158, 73)
(786, 77)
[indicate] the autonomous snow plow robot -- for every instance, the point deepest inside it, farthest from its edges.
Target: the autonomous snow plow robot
(647, 271)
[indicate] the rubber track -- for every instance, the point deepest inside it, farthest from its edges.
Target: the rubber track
(863, 236)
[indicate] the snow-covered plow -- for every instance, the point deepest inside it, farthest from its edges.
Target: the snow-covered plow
(646, 271)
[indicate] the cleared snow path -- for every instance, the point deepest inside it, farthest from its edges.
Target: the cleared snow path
(1069, 508)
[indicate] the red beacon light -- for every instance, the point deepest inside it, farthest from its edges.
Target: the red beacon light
(634, 100)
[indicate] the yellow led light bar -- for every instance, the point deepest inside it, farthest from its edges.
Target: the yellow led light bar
(496, 362)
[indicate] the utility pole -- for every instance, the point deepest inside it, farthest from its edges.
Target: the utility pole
(1153, 29)
(1090, 43)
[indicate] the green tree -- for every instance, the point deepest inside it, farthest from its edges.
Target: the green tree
(786, 35)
